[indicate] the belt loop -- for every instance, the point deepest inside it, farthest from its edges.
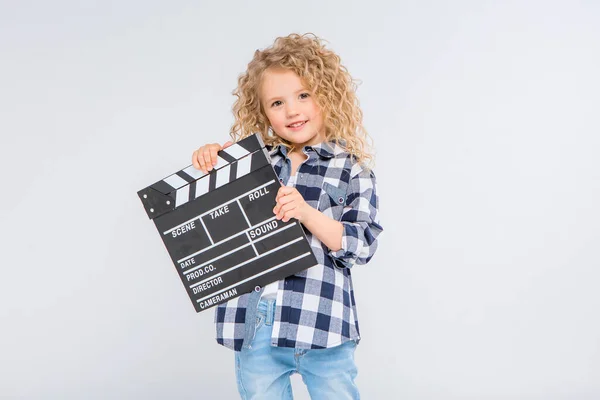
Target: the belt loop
(270, 311)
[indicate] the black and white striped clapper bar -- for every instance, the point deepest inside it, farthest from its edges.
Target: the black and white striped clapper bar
(220, 230)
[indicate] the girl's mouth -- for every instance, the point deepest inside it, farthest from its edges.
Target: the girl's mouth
(296, 125)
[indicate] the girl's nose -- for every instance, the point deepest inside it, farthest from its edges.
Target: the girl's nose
(291, 110)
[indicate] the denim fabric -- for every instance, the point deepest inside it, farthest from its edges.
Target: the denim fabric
(263, 371)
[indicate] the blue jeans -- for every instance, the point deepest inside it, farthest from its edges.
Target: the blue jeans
(263, 371)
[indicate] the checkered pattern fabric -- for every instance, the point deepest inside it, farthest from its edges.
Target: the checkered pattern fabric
(315, 308)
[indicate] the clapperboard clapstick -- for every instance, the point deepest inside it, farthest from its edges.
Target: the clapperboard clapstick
(220, 230)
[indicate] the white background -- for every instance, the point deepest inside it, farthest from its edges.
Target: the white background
(485, 119)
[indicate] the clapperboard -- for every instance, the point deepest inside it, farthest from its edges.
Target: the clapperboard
(220, 230)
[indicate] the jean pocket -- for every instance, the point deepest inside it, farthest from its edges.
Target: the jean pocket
(260, 321)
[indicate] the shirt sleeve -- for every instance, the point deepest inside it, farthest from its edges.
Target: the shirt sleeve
(360, 222)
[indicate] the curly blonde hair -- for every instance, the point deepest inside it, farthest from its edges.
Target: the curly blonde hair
(322, 73)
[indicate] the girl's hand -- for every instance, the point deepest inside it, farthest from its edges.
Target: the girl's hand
(205, 158)
(290, 204)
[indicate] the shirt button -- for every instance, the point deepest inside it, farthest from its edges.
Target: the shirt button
(280, 180)
(341, 200)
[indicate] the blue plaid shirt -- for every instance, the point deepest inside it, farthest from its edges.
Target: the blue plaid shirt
(315, 308)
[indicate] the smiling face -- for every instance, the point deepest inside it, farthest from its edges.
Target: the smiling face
(291, 109)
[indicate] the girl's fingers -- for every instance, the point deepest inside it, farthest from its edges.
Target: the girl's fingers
(287, 215)
(277, 208)
(213, 156)
(283, 191)
(286, 208)
(195, 162)
(286, 218)
(286, 199)
(200, 158)
(207, 160)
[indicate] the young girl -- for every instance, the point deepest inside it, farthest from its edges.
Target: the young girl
(302, 101)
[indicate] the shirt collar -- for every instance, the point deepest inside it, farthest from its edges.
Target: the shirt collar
(323, 149)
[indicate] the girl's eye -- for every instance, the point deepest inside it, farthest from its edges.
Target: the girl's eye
(304, 95)
(276, 103)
